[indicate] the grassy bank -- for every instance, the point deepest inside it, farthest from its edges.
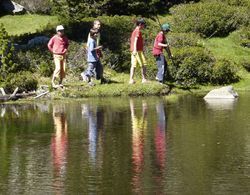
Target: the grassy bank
(22, 24)
(117, 86)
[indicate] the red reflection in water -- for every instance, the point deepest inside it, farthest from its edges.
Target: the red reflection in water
(59, 145)
(160, 137)
(160, 147)
(158, 160)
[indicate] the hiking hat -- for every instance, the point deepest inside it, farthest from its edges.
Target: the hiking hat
(60, 27)
(165, 27)
(140, 21)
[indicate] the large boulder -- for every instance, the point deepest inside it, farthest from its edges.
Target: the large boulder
(222, 93)
(12, 7)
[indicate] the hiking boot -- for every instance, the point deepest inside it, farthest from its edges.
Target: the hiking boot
(103, 81)
(144, 81)
(131, 81)
(84, 77)
(91, 84)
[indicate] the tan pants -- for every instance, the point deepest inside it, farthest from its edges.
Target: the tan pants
(60, 65)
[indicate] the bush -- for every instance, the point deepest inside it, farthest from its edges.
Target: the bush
(7, 64)
(245, 37)
(25, 81)
(38, 58)
(209, 18)
(224, 72)
(179, 40)
(193, 65)
(246, 65)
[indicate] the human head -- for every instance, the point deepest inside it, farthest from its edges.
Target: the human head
(93, 33)
(166, 27)
(60, 30)
(141, 23)
(97, 24)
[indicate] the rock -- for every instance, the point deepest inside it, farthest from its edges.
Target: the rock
(40, 40)
(36, 41)
(222, 93)
(12, 7)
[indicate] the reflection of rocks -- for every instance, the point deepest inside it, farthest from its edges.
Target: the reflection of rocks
(12, 7)
(222, 93)
(219, 104)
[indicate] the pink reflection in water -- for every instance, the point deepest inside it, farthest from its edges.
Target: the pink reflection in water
(59, 146)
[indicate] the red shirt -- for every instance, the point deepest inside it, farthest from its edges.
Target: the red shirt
(58, 45)
(139, 46)
(160, 38)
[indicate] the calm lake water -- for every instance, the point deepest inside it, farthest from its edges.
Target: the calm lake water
(126, 146)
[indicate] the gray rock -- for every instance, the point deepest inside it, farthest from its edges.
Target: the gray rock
(222, 93)
(12, 7)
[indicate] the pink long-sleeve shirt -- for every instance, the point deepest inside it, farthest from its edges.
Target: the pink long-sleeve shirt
(58, 45)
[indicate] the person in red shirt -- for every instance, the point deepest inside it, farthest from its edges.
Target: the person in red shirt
(136, 48)
(159, 44)
(58, 45)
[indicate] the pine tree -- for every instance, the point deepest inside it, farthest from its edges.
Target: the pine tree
(6, 55)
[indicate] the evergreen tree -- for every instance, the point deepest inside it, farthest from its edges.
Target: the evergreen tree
(6, 55)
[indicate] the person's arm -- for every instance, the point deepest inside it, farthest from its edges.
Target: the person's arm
(66, 46)
(50, 44)
(135, 45)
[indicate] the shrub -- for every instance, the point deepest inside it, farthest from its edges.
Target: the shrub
(224, 72)
(245, 37)
(179, 40)
(38, 58)
(193, 65)
(209, 18)
(25, 81)
(246, 65)
(7, 64)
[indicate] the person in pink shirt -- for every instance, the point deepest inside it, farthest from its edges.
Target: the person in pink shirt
(160, 43)
(58, 45)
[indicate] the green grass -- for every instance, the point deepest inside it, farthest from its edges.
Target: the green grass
(21, 24)
(229, 48)
(118, 86)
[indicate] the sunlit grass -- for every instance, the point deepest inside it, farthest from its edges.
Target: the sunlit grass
(229, 48)
(21, 24)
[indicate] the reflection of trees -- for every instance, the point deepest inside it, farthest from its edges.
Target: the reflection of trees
(59, 145)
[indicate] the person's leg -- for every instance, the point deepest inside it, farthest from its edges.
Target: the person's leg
(99, 70)
(56, 72)
(160, 60)
(143, 63)
(132, 69)
(90, 72)
(62, 70)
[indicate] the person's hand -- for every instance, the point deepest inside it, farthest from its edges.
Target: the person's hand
(134, 53)
(99, 47)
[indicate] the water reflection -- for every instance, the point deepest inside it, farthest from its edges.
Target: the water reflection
(140, 142)
(59, 145)
(95, 117)
(160, 136)
(139, 126)
(11, 108)
(221, 104)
